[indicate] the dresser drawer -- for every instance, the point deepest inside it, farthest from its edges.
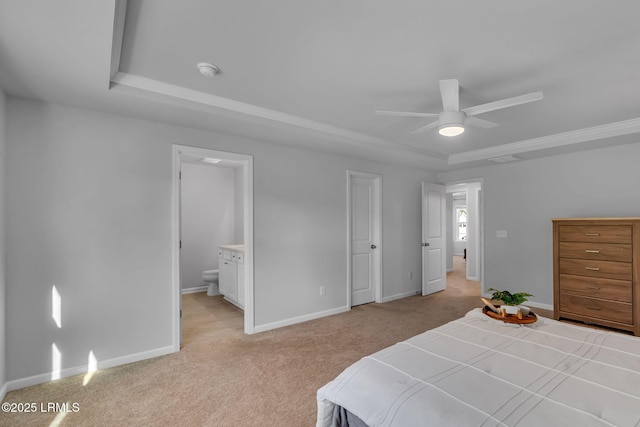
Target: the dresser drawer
(597, 251)
(601, 269)
(620, 312)
(595, 233)
(618, 290)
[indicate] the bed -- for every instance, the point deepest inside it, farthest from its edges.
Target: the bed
(477, 371)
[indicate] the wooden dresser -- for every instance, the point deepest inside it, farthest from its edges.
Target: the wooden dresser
(596, 271)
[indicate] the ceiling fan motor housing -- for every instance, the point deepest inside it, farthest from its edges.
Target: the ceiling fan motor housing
(451, 118)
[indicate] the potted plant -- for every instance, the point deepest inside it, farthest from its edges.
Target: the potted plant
(510, 301)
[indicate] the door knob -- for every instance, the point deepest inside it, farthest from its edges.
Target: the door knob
(425, 244)
(373, 246)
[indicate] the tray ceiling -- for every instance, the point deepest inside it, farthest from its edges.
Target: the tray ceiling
(312, 73)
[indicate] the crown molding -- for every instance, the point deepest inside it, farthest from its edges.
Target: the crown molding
(181, 96)
(119, 16)
(579, 136)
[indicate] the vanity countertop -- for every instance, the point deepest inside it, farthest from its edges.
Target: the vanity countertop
(239, 248)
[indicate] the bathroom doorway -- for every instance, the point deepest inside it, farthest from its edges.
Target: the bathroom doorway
(212, 206)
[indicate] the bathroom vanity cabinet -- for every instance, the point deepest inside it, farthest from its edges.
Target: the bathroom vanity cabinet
(231, 273)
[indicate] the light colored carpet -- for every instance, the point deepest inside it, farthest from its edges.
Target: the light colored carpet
(222, 377)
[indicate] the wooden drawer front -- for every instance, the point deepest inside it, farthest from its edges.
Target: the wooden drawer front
(600, 251)
(618, 290)
(595, 233)
(601, 309)
(603, 269)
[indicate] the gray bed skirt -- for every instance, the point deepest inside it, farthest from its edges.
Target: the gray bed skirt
(344, 418)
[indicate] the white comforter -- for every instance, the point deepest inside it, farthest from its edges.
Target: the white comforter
(477, 371)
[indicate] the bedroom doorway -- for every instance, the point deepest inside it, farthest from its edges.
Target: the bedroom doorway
(364, 228)
(465, 234)
(244, 165)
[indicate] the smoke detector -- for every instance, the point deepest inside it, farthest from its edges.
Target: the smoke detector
(207, 69)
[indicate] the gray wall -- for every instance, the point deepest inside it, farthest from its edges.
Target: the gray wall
(522, 197)
(89, 211)
(3, 311)
(208, 219)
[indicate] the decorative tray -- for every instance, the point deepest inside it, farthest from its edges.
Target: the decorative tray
(510, 318)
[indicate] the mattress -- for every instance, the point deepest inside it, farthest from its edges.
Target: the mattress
(477, 371)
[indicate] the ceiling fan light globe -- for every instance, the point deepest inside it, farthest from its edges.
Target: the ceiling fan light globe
(451, 123)
(451, 130)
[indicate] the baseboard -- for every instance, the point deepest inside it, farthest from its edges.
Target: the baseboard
(530, 303)
(77, 370)
(399, 296)
(539, 305)
(299, 319)
(195, 289)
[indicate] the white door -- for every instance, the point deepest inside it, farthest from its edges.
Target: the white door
(434, 263)
(364, 238)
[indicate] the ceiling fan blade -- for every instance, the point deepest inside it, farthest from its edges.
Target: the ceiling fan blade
(404, 114)
(504, 103)
(481, 123)
(450, 92)
(426, 127)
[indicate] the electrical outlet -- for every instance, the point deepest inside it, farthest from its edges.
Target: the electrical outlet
(502, 234)
(322, 291)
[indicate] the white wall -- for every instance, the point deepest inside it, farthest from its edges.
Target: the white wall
(522, 197)
(208, 219)
(473, 232)
(450, 232)
(89, 211)
(458, 245)
(238, 208)
(3, 144)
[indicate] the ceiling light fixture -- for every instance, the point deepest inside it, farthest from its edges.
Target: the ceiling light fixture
(451, 123)
(210, 160)
(207, 69)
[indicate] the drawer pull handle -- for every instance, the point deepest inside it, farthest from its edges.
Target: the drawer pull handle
(592, 268)
(595, 288)
(592, 251)
(591, 234)
(590, 307)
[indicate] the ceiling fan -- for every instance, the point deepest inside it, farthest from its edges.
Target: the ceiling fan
(451, 120)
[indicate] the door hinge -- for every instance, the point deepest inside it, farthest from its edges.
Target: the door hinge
(180, 175)
(181, 313)
(180, 244)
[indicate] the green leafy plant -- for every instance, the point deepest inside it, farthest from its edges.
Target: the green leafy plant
(508, 298)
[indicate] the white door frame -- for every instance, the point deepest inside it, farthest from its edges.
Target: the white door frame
(377, 255)
(479, 230)
(247, 172)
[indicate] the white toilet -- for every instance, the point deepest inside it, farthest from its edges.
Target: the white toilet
(210, 277)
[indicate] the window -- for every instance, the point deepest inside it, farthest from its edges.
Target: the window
(460, 221)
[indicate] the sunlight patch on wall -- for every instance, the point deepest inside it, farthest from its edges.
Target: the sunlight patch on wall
(92, 367)
(56, 306)
(56, 362)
